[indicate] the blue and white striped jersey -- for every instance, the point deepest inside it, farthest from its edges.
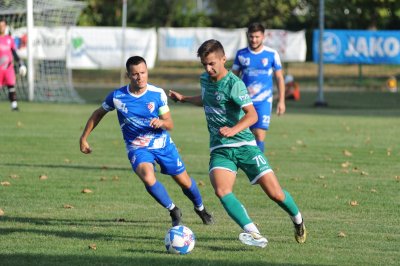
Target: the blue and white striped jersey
(135, 113)
(256, 70)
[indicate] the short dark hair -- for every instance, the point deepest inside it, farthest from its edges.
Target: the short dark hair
(209, 47)
(134, 60)
(3, 19)
(255, 27)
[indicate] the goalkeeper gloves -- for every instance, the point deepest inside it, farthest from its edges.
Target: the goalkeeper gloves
(22, 69)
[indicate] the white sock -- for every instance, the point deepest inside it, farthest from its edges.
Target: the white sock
(251, 228)
(297, 219)
(14, 104)
(199, 208)
(171, 207)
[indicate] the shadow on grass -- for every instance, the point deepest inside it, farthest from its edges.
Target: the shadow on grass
(143, 260)
(87, 167)
(68, 166)
(80, 222)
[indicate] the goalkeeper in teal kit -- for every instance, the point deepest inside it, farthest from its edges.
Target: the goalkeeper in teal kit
(230, 112)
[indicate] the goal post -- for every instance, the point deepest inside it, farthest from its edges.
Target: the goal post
(33, 23)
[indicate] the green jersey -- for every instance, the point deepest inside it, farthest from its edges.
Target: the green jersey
(223, 102)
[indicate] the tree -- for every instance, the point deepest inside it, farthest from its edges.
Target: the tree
(155, 13)
(274, 14)
(238, 14)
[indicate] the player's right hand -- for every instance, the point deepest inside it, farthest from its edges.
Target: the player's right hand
(176, 97)
(85, 148)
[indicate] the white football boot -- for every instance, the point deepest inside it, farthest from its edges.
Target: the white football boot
(253, 239)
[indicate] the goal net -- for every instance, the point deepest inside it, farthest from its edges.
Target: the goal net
(52, 81)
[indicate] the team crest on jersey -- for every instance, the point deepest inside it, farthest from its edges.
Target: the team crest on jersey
(218, 96)
(264, 61)
(151, 106)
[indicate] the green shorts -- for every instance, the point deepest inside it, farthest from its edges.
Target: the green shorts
(248, 158)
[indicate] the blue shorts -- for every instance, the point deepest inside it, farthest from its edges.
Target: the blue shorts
(264, 110)
(168, 158)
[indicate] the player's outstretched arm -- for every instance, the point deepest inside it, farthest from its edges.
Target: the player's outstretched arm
(177, 97)
(92, 122)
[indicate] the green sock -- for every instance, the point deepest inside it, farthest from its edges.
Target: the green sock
(235, 209)
(288, 204)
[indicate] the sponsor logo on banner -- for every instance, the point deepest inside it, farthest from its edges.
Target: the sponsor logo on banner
(179, 42)
(47, 43)
(331, 46)
(358, 46)
(78, 46)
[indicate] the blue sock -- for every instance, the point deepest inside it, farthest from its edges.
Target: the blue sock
(260, 145)
(193, 194)
(160, 194)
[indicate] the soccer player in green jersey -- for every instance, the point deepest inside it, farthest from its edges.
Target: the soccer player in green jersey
(229, 113)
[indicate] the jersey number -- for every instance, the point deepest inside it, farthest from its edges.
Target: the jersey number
(260, 160)
(266, 119)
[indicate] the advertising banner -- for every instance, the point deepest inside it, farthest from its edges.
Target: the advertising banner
(358, 47)
(181, 44)
(102, 47)
(48, 43)
(291, 46)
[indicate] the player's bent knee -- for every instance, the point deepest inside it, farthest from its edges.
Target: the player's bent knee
(222, 192)
(183, 180)
(148, 180)
(277, 196)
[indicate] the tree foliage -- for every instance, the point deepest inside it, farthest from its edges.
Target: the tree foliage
(155, 13)
(275, 14)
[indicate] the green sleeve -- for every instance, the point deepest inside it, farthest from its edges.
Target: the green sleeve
(239, 94)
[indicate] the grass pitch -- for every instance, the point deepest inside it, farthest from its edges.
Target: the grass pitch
(340, 163)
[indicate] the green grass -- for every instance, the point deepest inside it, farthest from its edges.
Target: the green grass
(305, 147)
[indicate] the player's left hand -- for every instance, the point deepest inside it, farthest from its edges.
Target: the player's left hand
(84, 145)
(280, 108)
(22, 70)
(156, 123)
(227, 132)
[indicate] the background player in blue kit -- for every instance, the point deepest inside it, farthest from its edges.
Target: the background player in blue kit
(144, 118)
(255, 64)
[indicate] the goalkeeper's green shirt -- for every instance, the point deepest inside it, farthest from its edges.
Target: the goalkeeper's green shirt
(223, 101)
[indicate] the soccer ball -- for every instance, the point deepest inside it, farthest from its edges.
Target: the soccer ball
(179, 240)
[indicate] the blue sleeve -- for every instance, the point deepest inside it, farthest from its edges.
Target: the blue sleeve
(163, 103)
(276, 65)
(108, 103)
(236, 63)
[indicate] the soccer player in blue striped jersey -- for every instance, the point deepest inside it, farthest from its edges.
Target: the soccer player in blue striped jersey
(229, 112)
(144, 118)
(256, 65)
